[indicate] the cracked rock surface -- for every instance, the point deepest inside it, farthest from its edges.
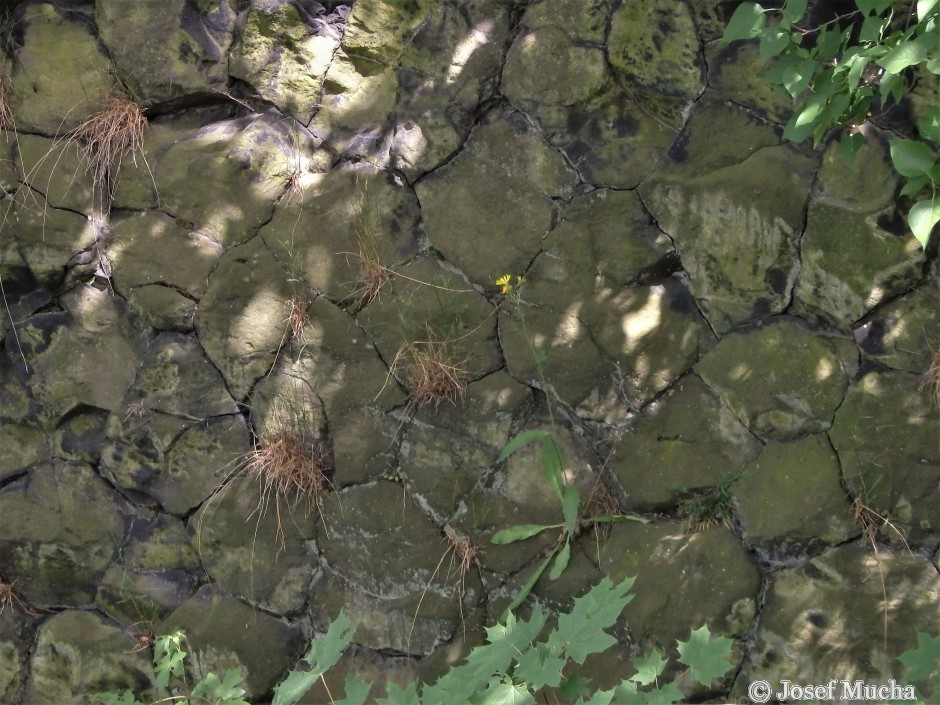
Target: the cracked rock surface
(726, 336)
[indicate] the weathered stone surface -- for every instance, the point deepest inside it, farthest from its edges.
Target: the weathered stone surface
(177, 462)
(709, 573)
(782, 380)
(80, 435)
(151, 248)
(284, 54)
(866, 185)
(242, 318)
(737, 229)
(50, 237)
(171, 49)
(790, 498)
(904, 334)
(222, 633)
(54, 168)
(850, 264)
(828, 618)
(23, 446)
(339, 223)
(885, 435)
(61, 75)
(430, 303)
(163, 307)
(605, 239)
(51, 545)
(224, 179)
(653, 45)
(176, 377)
(464, 45)
(610, 349)
(737, 72)
(545, 66)
(79, 655)
(67, 351)
(258, 546)
(683, 441)
(488, 209)
(156, 573)
(375, 542)
(13, 651)
(718, 134)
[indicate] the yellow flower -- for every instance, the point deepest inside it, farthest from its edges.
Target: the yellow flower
(503, 283)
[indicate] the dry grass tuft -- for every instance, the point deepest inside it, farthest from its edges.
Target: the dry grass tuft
(432, 372)
(465, 551)
(9, 599)
(930, 382)
(108, 135)
(289, 467)
(374, 276)
(298, 318)
(6, 112)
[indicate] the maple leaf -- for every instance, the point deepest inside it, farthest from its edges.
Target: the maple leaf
(706, 658)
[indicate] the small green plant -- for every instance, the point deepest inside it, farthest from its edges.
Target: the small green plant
(168, 657)
(923, 663)
(837, 71)
(568, 496)
(708, 506)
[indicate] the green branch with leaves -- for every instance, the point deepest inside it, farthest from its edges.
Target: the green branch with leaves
(841, 71)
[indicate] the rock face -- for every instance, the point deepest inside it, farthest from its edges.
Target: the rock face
(267, 368)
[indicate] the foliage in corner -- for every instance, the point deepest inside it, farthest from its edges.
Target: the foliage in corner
(514, 664)
(840, 71)
(168, 656)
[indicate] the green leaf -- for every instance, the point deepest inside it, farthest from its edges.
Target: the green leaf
(923, 216)
(666, 695)
(773, 40)
(570, 501)
(914, 184)
(793, 11)
(706, 658)
(502, 692)
(396, 695)
(745, 23)
(849, 146)
(923, 660)
(925, 7)
(551, 467)
(576, 686)
(891, 86)
(856, 65)
(520, 440)
(872, 29)
(796, 80)
(519, 532)
(648, 668)
(527, 588)
(829, 42)
(538, 667)
(322, 655)
(796, 134)
(356, 691)
(561, 561)
(869, 6)
(911, 158)
(581, 631)
(903, 55)
(929, 124)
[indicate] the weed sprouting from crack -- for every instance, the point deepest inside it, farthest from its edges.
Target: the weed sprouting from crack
(9, 599)
(464, 554)
(930, 382)
(297, 318)
(373, 275)
(870, 523)
(103, 138)
(432, 372)
(290, 467)
(710, 506)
